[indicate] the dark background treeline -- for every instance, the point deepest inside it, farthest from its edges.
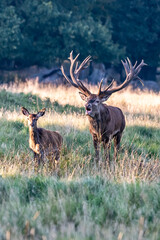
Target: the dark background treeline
(43, 32)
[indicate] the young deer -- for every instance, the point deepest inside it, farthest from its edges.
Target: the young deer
(42, 141)
(105, 122)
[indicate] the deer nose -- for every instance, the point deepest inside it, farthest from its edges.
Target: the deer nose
(88, 106)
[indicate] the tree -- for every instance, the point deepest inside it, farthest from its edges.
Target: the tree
(43, 32)
(88, 36)
(136, 27)
(10, 36)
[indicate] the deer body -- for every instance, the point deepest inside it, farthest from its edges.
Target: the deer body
(105, 122)
(109, 123)
(41, 141)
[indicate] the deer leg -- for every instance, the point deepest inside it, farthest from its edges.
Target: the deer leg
(56, 157)
(96, 147)
(41, 157)
(37, 160)
(107, 147)
(117, 140)
(35, 156)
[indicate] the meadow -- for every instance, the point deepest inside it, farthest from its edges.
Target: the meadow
(78, 200)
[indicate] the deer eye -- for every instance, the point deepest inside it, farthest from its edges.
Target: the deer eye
(97, 101)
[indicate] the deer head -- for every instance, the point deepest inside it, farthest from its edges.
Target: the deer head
(93, 101)
(32, 118)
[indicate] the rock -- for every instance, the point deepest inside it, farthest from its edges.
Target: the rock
(98, 73)
(148, 85)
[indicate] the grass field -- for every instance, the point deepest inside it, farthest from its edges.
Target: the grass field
(78, 200)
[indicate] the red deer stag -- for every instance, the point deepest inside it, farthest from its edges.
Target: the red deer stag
(41, 141)
(106, 122)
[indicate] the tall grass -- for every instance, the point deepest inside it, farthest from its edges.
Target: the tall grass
(88, 208)
(78, 200)
(140, 142)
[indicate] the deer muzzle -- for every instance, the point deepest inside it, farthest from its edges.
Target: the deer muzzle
(88, 108)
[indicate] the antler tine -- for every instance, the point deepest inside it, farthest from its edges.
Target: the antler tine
(135, 64)
(100, 85)
(84, 88)
(73, 60)
(77, 70)
(76, 67)
(130, 64)
(68, 79)
(139, 67)
(74, 76)
(71, 57)
(110, 85)
(82, 65)
(140, 81)
(131, 73)
(125, 65)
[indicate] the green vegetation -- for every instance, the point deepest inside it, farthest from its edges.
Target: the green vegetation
(146, 140)
(89, 208)
(78, 200)
(44, 32)
(16, 101)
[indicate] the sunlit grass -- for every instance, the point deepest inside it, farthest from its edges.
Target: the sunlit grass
(79, 199)
(134, 102)
(65, 113)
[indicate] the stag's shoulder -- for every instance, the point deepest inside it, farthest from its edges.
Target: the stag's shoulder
(111, 112)
(114, 109)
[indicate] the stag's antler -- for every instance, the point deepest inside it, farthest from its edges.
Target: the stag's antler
(131, 73)
(74, 81)
(130, 70)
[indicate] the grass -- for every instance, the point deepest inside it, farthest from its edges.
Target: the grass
(88, 208)
(79, 200)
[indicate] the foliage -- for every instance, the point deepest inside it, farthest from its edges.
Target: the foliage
(10, 34)
(136, 28)
(44, 32)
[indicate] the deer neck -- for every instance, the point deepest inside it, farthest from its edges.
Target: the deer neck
(95, 123)
(33, 135)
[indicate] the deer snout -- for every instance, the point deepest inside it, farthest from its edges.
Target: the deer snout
(88, 108)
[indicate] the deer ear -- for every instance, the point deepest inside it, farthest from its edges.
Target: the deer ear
(41, 112)
(25, 111)
(83, 96)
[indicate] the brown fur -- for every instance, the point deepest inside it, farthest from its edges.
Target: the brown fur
(42, 142)
(106, 123)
